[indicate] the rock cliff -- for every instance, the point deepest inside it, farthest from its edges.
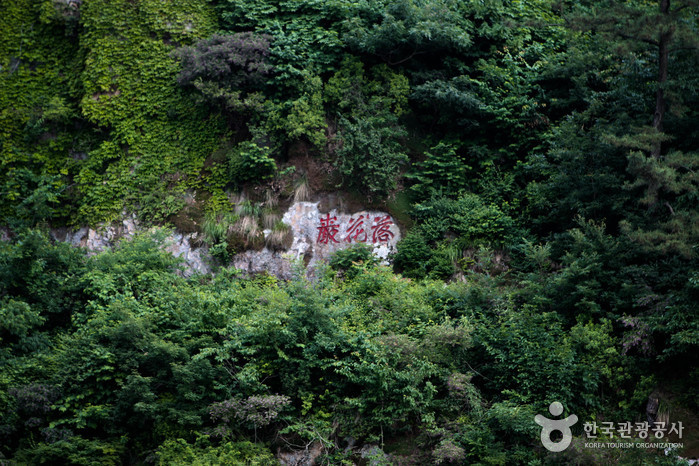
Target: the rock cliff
(316, 235)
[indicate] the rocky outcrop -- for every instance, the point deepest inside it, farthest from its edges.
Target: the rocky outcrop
(277, 263)
(316, 235)
(321, 234)
(196, 260)
(305, 457)
(98, 239)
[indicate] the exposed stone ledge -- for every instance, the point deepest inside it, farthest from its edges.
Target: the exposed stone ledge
(316, 235)
(196, 260)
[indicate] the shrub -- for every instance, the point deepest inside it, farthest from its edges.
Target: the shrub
(469, 218)
(371, 155)
(216, 229)
(347, 260)
(229, 70)
(412, 256)
(255, 411)
(179, 452)
(75, 450)
(442, 173)
(250, 162)
(38, 285)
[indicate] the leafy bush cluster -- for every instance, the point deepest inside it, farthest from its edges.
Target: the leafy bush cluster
(227, 69)
(146, 363)
(447, 229)
(248, 161)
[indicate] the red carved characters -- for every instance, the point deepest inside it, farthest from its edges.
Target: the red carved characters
(357, 230)
(380, 229)
(327, 230)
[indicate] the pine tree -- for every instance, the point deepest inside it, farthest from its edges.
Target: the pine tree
(663, 37)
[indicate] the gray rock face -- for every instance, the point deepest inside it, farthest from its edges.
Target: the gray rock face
(306, 457)
(274, 263)
(196, 260)
(321, 234)
(318, 234)
(97, 240)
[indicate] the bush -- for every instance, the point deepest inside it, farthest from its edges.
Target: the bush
(348, 261)
(250, 162)
(41, 276)
(472, 221)
(446, 228)
(412, 256)
(442, 173)
(202, 453)
(229, 70)
(75, 450)
(371, 155)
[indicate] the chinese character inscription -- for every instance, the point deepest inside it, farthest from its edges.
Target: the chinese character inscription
(359, 230)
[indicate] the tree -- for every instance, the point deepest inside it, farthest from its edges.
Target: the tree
(653, 28)
(230, 70)
(627, 154)
(399, 31)
(369, 105)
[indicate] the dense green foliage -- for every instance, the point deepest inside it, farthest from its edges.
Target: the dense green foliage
(117, 358)
(541, 155)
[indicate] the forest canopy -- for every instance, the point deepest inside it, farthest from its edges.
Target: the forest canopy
(540, 156)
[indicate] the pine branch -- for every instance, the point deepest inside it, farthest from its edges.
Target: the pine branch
(652, 42)
(672, 211)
